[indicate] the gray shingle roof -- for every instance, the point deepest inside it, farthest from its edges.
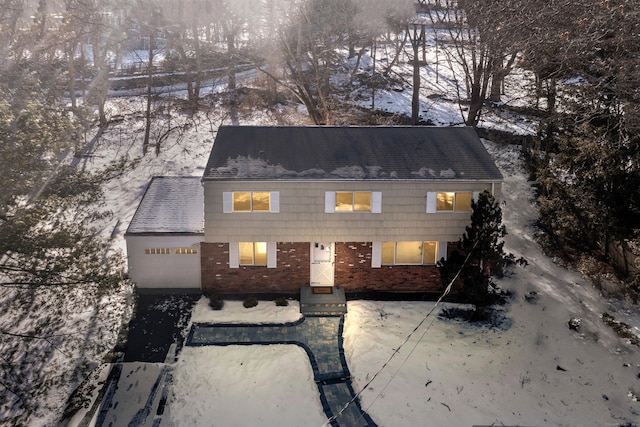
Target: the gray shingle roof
(349, 153)
(170, 205)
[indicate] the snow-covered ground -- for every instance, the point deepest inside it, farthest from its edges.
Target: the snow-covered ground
(534, 370)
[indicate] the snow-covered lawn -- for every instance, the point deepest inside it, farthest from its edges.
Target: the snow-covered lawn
(266, 385)
(533, 370)
(245, 385)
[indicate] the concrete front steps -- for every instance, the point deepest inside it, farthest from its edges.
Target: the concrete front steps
(322, 301)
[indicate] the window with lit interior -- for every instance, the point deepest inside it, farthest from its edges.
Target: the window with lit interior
(409, 253)
(186, 251)
(251, 201)
(353, 201)
(453, 201)
(253, 253)
(157, 251)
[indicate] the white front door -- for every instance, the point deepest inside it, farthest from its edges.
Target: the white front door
(322, 260)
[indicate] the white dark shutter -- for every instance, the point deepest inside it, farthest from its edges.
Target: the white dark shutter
(227, 202)
(376, 201)
(329, 201)
(376, 254)
(274, 199)
(272, 261)
(442, 251)
(476, 196)
(431, 201)
(234, 255)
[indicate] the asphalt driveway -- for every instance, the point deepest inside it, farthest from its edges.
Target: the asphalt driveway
(159, 321)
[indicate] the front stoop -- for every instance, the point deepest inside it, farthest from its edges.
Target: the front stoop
(333, 304)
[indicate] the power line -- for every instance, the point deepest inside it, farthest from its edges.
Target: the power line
(397, 350)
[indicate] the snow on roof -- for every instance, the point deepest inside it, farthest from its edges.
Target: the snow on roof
(349, 153)
(170, 205)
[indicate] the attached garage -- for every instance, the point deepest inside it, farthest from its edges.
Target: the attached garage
(164, 236)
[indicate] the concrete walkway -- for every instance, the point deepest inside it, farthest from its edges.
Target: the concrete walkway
(320, 337)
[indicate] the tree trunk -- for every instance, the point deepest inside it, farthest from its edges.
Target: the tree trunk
(71, 47)
(499, 72)
(198, 75)
(495, 94)
(398, 51)
(101, 81)
(147, 127)
(232, 64)
(188, 74)
(479, 84)
(416, 42)
(551, 95)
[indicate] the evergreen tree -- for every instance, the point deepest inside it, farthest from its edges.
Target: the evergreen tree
(480, 253)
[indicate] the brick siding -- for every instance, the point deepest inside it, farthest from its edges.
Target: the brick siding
(352, 271)
(291, 273)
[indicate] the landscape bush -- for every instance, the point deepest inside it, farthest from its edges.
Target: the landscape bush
(215, 302)
(282, 302)
(250, 302)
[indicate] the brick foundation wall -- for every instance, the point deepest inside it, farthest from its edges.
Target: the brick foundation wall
(354, 273)
(291, 273)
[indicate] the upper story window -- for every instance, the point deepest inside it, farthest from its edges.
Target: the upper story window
(353, 201)
(250, 201)
(449, 201)
(409, 253)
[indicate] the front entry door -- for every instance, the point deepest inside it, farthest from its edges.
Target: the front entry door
(322, 260)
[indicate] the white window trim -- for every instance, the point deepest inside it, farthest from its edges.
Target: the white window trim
(442, 251)
(432, 197)
(376, 202)
(274, 201)
(227, 202)
(234, 254)
(329, 201)
(272, 251)
(376, 254)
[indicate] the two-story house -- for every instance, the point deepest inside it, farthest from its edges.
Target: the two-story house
(363, 208)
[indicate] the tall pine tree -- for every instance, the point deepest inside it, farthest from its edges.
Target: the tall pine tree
(480, 253)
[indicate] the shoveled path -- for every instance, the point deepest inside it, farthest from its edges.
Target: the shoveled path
(320, 337)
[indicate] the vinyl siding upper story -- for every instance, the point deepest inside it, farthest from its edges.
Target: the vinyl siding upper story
(302, 216)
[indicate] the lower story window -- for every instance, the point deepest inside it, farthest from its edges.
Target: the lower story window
(157, 251)
(252, 253)
(409, 253)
